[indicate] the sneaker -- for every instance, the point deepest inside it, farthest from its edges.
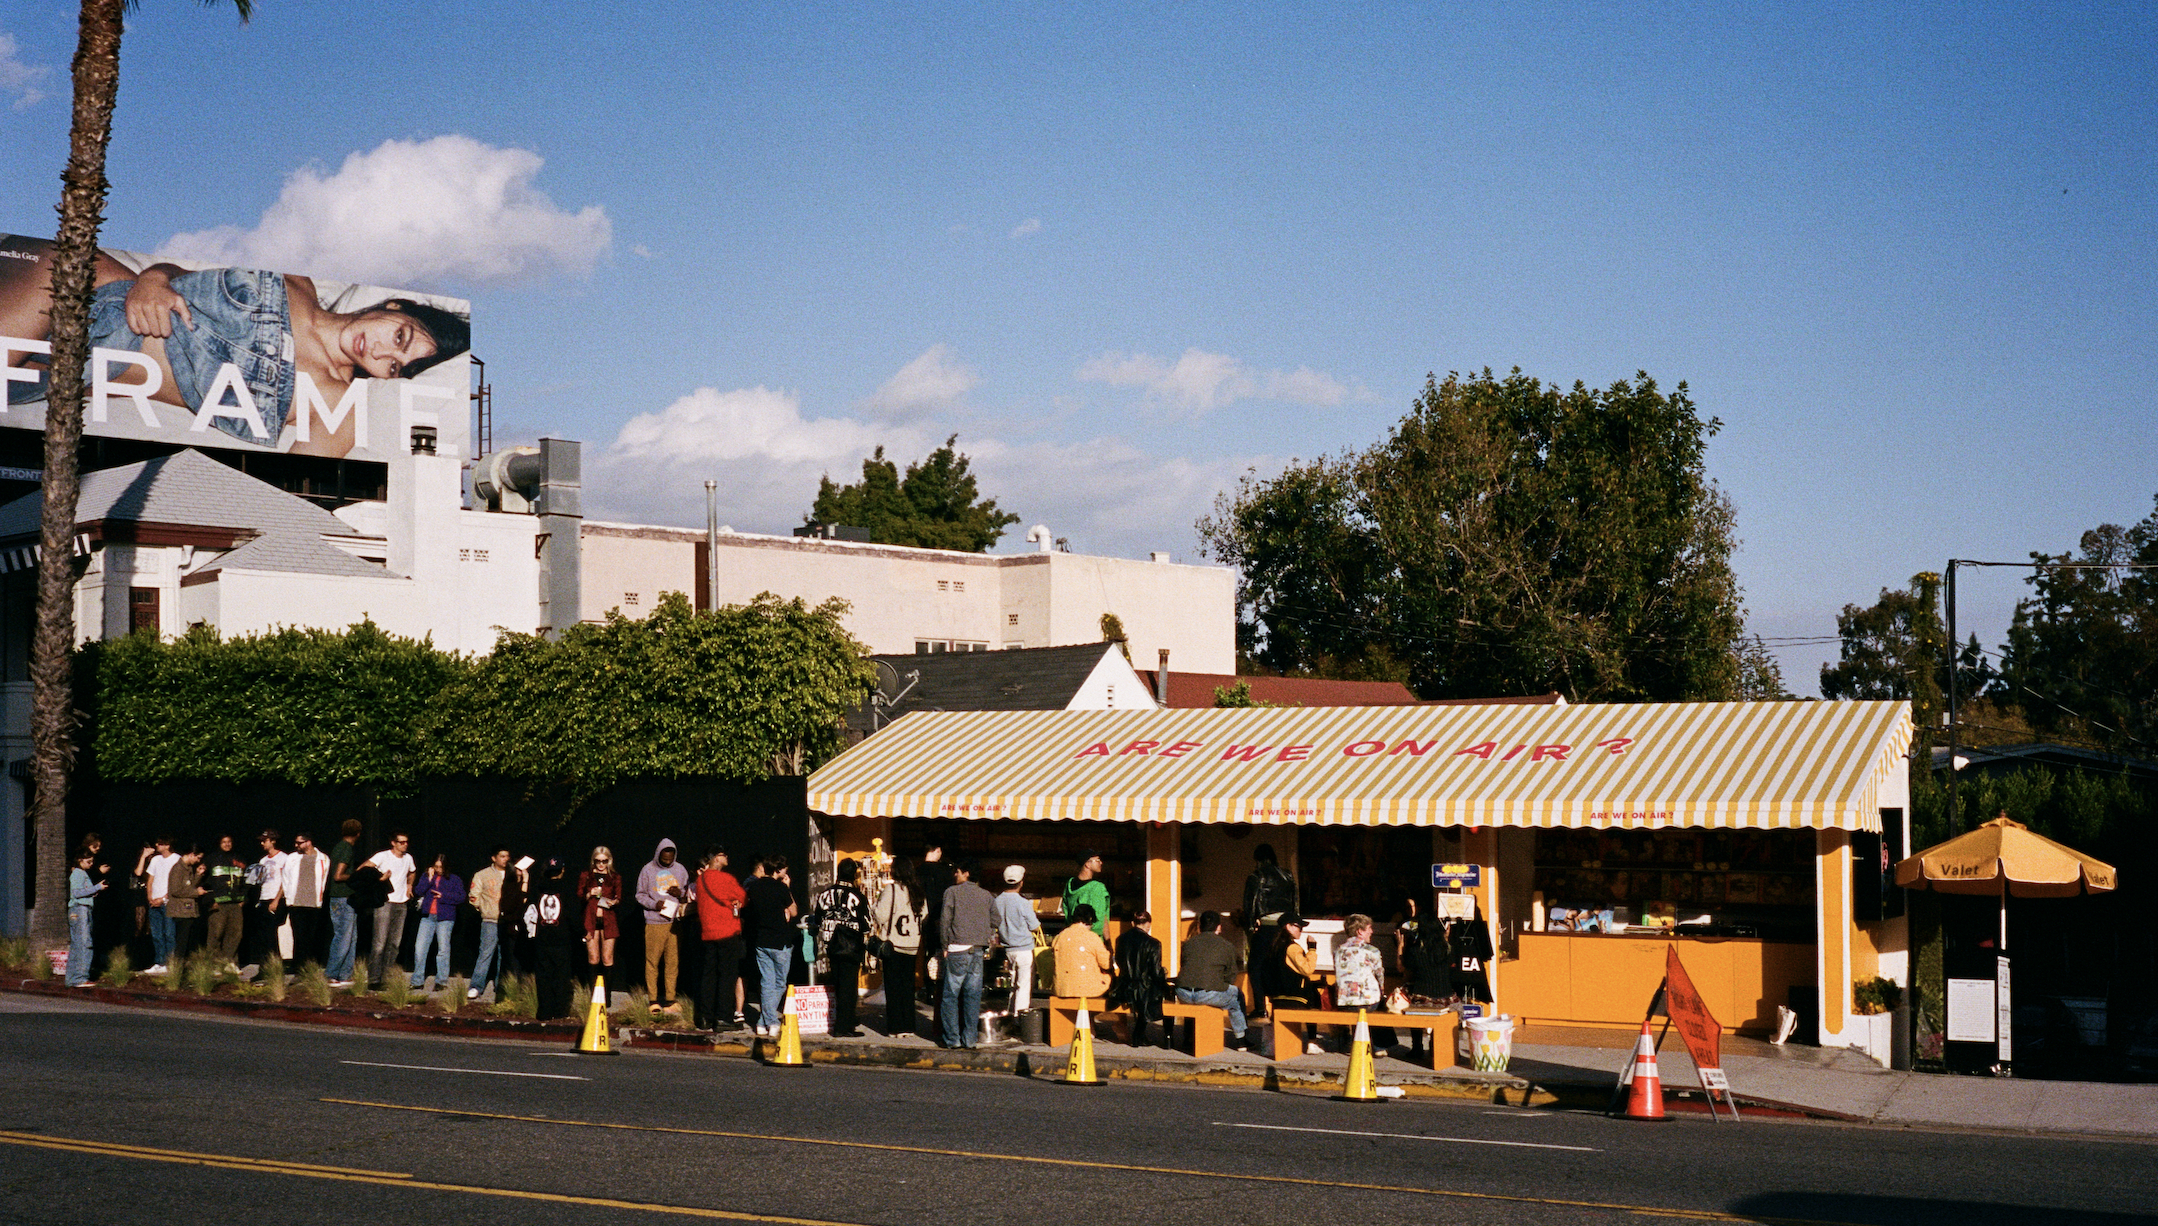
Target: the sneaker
(159, 969)
(340, 983)
(84, 984)
(472, 993)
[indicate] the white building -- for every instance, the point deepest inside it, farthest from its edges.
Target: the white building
(928, 600)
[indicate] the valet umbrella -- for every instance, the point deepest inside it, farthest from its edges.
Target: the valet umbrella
(2001, 858)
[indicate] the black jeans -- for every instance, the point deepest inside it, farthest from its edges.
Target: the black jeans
(715, 982)
(845, 987)
(183, 935)
(308, 936)
(899, 993)
(553, 977)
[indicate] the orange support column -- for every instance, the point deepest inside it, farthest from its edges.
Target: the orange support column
(1833, 926)
(1165, 889)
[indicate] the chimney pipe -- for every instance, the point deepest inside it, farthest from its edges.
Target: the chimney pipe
(711, 544)
(1161, 680)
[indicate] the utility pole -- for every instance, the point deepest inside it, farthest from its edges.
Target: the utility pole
(711, 544)
(1955, 825)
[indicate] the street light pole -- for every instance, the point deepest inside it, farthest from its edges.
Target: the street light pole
(1955, 825)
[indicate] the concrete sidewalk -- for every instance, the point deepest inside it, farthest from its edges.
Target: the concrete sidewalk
(1838, 1083)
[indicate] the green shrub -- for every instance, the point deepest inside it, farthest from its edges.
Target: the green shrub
(272, 977)
(201, 973)
(40, 966)
(1876, 995)
(452, 996)
(312, 985)
(15, 954)
(119, 968)
(397, 988)
(639, 1012)
(175, 977)
(517, 997)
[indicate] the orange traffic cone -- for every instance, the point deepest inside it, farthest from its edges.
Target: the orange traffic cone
(1079, 1064)
(594, 1041)
(1643, 1084)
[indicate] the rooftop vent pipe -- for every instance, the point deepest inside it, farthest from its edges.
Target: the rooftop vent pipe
(1038, 536)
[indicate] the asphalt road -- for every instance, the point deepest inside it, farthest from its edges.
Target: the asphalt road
(121, 1115)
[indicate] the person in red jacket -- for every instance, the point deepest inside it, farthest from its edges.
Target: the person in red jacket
(601, 889)
(719, 913)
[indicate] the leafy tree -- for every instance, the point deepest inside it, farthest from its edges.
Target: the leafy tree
(309, 707)
(1760, 677)
(1112, 631)
(1508, 537)
(735, 693)
(82, 213)
(1893, 649)
(936, 505)
(1238, 696)
(2082, 651)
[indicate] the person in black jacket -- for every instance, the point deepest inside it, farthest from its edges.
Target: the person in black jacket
(1269, 894)
(1468, 946)
(558, 922)
(1140, 981)
(935, 874)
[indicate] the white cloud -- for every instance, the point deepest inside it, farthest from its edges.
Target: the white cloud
(1108, 495)
(24, 81)
(932, 382)
(641, 251)
(413, 213)
(1200, 382)
(1032, 225)
(755, 442)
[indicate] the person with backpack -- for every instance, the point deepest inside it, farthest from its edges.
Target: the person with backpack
(841, 914)
(1269, 894)
(896, 922)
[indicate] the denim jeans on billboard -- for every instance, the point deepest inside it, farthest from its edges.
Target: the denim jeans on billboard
(78, 945)
(160, 935)
(772, 968)
(344, 938)
(488, 965)
(962, 1001)
(241, 318)
(432, 930)
(1232, 1000)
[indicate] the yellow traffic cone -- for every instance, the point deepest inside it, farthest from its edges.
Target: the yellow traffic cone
(1362, 1083)
(789, 1054)
(1079, 1065)
(594, 1042)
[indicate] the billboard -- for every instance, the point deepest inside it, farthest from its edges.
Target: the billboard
(206, 356)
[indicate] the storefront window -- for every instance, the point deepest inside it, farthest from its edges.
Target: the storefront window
(1747, 882)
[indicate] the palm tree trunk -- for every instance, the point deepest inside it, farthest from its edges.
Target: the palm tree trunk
(82, 211)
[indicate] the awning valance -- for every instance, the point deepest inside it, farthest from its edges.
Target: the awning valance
(1764, 765)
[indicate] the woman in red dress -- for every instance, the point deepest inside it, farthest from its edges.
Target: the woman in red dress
(601, 888)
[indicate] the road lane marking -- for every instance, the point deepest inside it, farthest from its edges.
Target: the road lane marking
(146, 1151)
(1696, 1215)
(1410, 1136)
(488, 1072)
(273, 1166)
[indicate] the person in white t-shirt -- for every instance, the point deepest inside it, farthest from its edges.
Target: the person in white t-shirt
(398, 870)
(156, 867)
(270, 931)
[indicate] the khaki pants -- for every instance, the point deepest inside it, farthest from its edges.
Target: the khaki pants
(225, 924)
(659, 947)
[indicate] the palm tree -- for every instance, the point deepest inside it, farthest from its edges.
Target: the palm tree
(82, 211)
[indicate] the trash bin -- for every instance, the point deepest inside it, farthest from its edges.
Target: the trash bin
(1491, 1042)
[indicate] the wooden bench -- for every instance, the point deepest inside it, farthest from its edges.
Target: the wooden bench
(1292, 1025)
(1064, 1015)
(1208, 1024)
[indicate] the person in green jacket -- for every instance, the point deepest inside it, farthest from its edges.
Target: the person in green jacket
(1086, 888)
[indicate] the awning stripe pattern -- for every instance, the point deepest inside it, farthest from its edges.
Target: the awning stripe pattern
(1763, 765)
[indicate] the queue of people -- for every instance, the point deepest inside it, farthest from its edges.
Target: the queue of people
(933, 928)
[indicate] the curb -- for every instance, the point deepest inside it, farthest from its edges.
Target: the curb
(1038, 1063)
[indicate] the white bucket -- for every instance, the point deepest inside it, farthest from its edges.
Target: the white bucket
(1491, 1042)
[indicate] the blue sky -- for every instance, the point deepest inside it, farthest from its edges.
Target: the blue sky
(1906, 255)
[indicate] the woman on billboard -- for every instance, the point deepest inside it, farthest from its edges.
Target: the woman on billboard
(212, 330)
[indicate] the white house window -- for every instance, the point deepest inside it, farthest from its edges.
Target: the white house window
(479, 555)
(959, 585)
(944, 585)
(630, 599)
(1011, 619)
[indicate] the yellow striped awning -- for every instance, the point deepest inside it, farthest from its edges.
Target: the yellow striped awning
(1763, 765)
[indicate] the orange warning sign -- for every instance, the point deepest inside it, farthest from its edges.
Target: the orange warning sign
(1689, 1013)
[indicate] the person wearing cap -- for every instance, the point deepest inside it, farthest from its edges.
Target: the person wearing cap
(1087, 890)
(1016, 926)
(1293, 974)
(557, 922)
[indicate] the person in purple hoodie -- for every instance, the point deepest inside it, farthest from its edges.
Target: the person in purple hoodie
(439, 892)
(663, 890)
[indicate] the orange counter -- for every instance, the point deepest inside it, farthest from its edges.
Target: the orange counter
(1586, 979)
